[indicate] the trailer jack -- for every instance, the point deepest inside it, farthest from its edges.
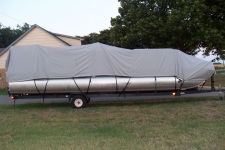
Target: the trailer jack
(221, 95)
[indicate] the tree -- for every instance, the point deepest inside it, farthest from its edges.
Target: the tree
(186, 25)
(8, 35)
(91, 38)
(103, 37)
(214, 28)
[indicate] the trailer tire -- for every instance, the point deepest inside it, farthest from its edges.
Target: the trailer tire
(78, 101)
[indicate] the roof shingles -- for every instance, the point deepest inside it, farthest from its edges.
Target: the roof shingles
(1, 50)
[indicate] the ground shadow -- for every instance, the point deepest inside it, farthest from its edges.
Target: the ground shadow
(65, 105)
(148, 102)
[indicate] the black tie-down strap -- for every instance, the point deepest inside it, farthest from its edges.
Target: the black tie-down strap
(89, 85)
(123, 91)
(36, 86)
(203, 85)
(43, 96)
(77, 85)
(85, 94)
(181, 85)
(178, 92)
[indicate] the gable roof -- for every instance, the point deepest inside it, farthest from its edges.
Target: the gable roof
(57, 34)
(71, 37)
(50, 33)
(1, 49)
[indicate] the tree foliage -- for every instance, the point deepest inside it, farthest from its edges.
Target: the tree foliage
(214, 40)
(8, 35)
(186, 25)
(102, 37)
(91, 38)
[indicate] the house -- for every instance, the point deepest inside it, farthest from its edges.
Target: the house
(36, 35)
(2, 75)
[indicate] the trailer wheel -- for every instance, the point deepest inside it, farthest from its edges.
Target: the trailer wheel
(78, 101)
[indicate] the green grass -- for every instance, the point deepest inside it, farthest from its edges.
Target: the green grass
(220, 70)
(184, 123)
(3, 92)
(218, 78)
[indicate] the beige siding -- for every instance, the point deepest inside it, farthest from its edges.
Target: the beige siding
(3, 59)
(71, 41)
(3, 83)
(35, 36)
(38, 36)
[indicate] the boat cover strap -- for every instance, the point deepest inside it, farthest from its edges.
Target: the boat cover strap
(124, 87)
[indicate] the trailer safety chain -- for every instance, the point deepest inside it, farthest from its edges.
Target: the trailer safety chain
(124, 88)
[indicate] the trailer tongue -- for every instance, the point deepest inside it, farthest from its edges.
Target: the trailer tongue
(81, 72)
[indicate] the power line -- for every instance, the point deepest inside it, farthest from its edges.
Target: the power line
(12, 18)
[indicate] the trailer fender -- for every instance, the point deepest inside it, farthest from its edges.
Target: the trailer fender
(74, 94)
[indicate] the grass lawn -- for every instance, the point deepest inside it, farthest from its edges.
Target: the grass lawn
(218, 78)
(197, 124)
(3, 92)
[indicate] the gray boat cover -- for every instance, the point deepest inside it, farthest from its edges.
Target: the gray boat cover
(41, 62)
